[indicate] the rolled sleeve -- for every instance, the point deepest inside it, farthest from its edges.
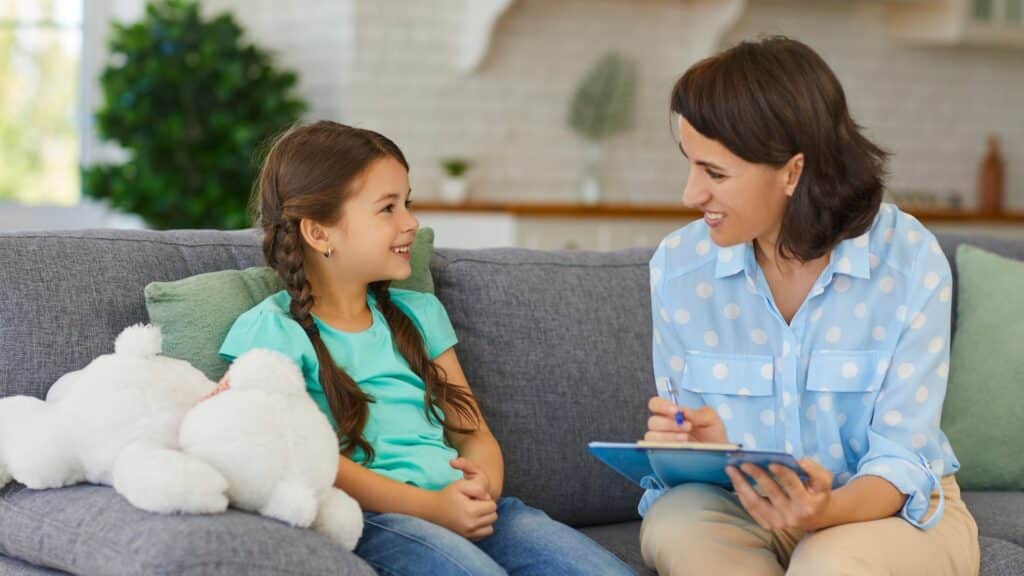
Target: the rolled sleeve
(908, 472)
(907, 411)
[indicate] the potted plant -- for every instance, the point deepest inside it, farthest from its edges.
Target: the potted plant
(601, 106)
(453, 185)
(189, 102)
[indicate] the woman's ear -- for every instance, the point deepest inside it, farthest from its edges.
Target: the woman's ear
(314, 235)
(792, 171)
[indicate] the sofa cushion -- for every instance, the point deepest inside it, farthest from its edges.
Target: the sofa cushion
(67, 295)
(998, 514)
(950, 241)
(1000, 558)
(14, 567)
(985, 399)
(87, 529)
(195, 313)
(623, 540)
(557, 346)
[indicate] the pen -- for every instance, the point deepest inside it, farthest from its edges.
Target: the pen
(675, 400)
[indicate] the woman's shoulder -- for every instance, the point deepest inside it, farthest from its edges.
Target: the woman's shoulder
(684, 250)
(901, 241)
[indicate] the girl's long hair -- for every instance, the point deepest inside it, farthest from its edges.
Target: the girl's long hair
(309, 172)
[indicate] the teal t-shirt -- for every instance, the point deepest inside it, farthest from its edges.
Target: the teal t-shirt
(409, 447)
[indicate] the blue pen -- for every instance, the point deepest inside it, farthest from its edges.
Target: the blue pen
(675, 400)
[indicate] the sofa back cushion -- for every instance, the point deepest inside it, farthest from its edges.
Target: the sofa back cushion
(557, 346)
(67, 295)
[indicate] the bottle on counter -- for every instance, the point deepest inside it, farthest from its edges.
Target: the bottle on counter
(991, 176)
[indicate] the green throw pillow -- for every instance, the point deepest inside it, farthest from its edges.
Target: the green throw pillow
(984, 410)
(195, 313)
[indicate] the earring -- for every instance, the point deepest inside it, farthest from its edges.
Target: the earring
(329, 252)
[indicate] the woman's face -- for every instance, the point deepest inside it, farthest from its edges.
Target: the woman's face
(741, 201)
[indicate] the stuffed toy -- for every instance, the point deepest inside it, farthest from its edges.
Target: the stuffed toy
(276, 449)
(159, 431)
(115, 422)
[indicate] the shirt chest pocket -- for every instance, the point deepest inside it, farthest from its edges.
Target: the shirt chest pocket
(842, 387)
(740, 387)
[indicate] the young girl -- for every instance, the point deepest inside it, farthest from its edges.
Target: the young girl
(415, 450)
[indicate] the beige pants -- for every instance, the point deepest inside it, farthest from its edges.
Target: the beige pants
(703, 529)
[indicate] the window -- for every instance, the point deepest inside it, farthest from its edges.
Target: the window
(40, 53)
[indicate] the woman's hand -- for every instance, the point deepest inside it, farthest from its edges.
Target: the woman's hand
(700, 425)
(464, 507)
(787, 502)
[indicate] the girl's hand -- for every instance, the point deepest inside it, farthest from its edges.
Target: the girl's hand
(471, 517)
(700, 425)
(787, 502)
(474, 476)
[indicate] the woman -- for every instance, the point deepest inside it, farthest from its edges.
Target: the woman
(800, 315)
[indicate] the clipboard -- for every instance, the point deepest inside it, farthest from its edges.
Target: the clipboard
(674, 463)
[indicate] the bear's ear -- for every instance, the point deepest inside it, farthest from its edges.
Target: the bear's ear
(263, 369)
(142, 340)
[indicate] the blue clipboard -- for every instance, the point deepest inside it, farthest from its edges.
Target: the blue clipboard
(678, 463)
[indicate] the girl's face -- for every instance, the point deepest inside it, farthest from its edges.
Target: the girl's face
(372, 239)
(741, 201)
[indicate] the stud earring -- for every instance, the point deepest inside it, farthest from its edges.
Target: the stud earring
(329, 252)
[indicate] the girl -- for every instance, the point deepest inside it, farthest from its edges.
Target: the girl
(800, 315)
(415, 450)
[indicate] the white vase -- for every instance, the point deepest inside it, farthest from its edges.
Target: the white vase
(453, 190)
(590, 181)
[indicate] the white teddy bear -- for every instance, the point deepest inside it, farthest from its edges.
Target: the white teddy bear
(136, 420)
(115, 422)
(276, 449)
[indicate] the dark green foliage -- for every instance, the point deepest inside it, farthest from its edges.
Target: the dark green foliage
(190, 103)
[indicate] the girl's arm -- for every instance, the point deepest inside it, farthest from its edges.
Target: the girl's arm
(378, 493)
(462, 506)
(479, 447)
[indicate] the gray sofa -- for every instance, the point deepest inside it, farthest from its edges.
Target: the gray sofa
(556, 345)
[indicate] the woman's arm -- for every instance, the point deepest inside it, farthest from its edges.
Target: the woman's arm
(861, 500)
(479, 447)
(789, 503)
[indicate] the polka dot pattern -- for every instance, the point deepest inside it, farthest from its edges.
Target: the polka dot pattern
(868, 352)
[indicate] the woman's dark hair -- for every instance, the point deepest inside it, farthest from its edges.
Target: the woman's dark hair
(767, 101)
(309, 173)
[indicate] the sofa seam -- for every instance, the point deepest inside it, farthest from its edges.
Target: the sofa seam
(553, 264)
(134, 241)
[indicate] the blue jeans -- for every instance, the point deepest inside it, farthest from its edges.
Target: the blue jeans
(525, 541)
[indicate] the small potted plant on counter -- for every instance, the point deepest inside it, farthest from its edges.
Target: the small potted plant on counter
(454, 186)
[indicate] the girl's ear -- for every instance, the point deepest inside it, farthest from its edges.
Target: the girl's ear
(314, 235)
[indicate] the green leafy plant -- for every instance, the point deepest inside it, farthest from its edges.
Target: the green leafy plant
(603, 102)
(190, 103)
(455, 167)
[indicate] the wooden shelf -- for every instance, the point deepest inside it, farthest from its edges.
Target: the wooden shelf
(665, 211)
